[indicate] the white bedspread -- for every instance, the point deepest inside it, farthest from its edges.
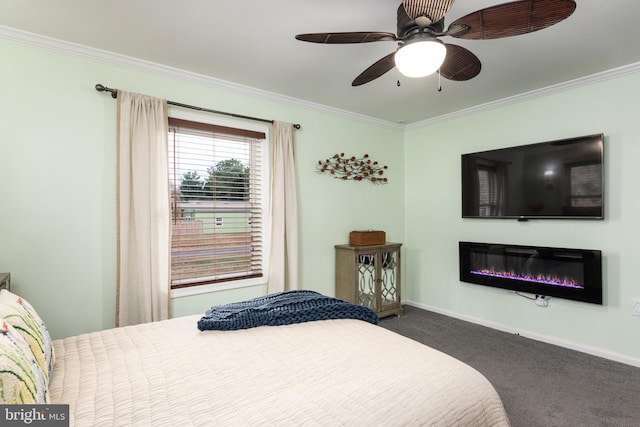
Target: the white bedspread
(323, 373)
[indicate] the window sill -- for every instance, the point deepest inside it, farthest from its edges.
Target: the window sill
(216, 287)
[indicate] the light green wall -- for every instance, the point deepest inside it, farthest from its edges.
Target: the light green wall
(57, 175)
(57, 197)
(434, 225)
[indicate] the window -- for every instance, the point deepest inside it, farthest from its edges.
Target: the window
(217, 178)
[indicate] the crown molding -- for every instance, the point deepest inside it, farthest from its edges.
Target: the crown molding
(74, 49)
(69, 48)
(526, 96)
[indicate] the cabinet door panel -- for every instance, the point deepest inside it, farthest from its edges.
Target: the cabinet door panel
(389, 280)
(367, 280)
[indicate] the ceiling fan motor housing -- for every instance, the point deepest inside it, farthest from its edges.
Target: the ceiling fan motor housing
(406, 26)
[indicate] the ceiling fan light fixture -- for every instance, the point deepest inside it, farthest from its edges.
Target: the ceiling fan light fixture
(421, 57)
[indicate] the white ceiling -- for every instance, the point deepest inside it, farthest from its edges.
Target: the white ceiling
(251, 43)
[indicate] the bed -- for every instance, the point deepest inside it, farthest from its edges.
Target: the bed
(323, 372)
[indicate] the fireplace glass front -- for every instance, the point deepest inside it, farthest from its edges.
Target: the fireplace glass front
(557, 272)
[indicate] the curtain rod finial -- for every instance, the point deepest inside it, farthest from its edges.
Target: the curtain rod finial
(103, 88)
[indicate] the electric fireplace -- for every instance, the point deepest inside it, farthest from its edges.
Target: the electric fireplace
(574, 274)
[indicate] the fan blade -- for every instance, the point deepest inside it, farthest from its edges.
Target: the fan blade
(403, 20)
(347, 37)
(376, 70)
(460, 64)
(515, 18)
(433, 9)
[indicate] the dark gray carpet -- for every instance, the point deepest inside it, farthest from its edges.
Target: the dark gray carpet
(540, 384)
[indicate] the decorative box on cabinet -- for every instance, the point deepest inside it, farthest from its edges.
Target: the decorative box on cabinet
(370, 276)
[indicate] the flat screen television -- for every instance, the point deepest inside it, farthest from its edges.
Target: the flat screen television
(553, 179)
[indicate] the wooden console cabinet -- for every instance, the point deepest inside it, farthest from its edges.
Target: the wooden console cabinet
(370, 276)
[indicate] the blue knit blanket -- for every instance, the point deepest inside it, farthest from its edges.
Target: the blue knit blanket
(282, 308)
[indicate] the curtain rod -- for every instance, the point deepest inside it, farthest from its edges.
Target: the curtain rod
(114, 95)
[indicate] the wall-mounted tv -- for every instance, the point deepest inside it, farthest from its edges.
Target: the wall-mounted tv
(554, 179)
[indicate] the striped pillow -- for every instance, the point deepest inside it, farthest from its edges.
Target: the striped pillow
(21, 379)
(21, 315)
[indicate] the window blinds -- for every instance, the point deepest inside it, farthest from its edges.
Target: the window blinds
(216, 201)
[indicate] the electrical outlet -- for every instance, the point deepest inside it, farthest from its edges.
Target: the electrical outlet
(635, 307)
(542, 301)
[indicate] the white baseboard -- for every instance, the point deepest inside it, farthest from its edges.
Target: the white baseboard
(532, 335)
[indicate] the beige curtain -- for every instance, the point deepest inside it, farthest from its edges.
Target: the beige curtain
(143, 210)
(283, 257)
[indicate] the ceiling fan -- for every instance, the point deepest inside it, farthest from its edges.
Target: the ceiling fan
(420, 24)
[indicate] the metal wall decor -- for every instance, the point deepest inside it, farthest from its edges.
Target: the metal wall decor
(357, 169)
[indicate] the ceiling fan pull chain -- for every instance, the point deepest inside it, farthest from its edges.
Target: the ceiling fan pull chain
(439, 82)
